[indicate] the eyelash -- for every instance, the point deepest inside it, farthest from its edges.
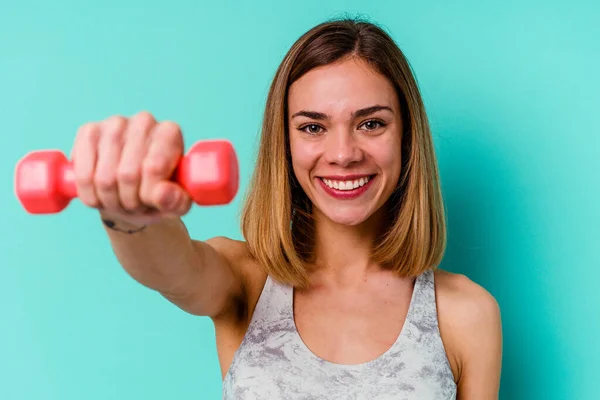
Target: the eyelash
(381, 125)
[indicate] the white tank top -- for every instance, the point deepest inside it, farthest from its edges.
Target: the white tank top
(273, 362)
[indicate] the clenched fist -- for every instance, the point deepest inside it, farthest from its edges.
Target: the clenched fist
(123, 166)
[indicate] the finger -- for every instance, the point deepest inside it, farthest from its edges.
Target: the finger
(129, 170)
(171, 199)
(84, 155)
(109, 153)
(164, 152)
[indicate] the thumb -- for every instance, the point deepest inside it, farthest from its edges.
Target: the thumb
(170, 198)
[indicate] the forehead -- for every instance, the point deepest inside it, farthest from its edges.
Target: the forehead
(341, 87)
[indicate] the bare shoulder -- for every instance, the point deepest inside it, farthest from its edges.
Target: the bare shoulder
(470, 325)
(239, 257)
(234, 251)
(472, 304)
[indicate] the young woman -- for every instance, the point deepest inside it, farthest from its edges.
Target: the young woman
(335, 292)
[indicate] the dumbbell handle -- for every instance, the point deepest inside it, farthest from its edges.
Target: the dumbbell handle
(45, 180)
(66, 181)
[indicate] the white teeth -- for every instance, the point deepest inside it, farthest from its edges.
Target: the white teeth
(346, 185)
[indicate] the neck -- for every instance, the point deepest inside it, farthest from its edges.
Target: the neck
(342, 254)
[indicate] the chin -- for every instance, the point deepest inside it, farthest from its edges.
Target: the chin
(346, 217)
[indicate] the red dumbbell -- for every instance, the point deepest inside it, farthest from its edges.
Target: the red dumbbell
(45, 182)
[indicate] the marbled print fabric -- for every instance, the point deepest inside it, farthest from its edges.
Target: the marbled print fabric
(273, 363)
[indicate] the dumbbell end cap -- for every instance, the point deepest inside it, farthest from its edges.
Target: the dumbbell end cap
(38, 182)
(210, 172)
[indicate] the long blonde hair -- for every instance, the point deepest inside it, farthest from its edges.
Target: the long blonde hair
(276, 217)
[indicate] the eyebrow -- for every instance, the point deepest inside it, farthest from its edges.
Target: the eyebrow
(363, 112)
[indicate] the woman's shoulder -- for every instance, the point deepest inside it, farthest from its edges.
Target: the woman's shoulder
(232, 249)
(466, 305)
(238, 255)
(468, 296)
(470, 324)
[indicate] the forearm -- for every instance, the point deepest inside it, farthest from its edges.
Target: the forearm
(160, 256)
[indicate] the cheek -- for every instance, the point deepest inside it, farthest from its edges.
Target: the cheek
(304, 158)
(388, 157)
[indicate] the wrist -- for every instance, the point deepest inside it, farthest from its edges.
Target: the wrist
(115, 223)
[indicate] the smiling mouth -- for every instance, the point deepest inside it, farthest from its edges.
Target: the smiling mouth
(348, 183)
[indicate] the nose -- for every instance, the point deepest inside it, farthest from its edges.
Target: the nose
(342, 148)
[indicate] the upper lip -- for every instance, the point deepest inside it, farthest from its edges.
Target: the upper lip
(345, 177)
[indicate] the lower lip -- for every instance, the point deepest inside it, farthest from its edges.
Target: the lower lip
(346, 194)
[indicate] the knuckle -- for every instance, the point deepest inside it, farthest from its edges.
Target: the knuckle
(129, 175)
(114, 134)
(84, 179)
(105, 182)
(170, 130)
(155, 165)
(85, 128)
(88, 131)
(116, 121)
(171, 139)
(143, 118)
(170, 125)
(114, 126)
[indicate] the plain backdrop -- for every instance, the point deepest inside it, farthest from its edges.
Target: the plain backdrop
(511, 88)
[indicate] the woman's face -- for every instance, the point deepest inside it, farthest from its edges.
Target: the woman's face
(345, 133)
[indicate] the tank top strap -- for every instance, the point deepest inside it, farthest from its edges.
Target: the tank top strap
(424, 310)
(422, 318)
(274, 307)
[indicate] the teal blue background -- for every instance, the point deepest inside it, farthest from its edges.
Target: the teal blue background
(511, 88)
